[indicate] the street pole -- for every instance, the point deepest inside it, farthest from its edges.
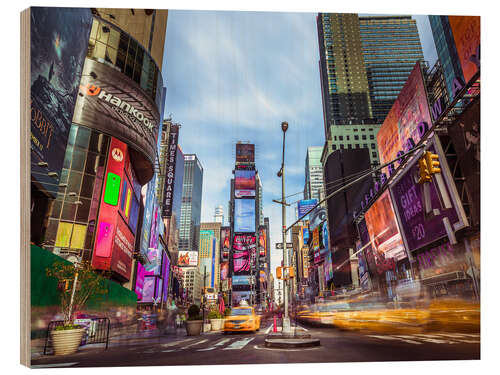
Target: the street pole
(203, 297)
(286, 319)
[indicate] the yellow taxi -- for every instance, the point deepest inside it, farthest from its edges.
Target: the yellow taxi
(242, 318)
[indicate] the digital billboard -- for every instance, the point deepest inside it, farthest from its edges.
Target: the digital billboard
(244, 179)
(225, 242)
(187, 258)
(244, 250)
(244, 215)
(403, 127)
(305, 205)
(224, 270)
(237, 297)
(241, 280)
(139, 281)
(262, 241)
(123, 249)
(424, 210)
(59, 40)
(245, 153)
(305, 235)
(383, 231)
(317, 216)
(466, 32)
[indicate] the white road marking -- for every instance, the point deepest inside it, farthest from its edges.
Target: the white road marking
(222, 342)
(239, 344)
(54, 365)
(269, 329)
(395, 338)
(194, 343)
(177, 342)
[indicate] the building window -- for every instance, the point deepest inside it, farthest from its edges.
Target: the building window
(372, 136)
(341, 137)
(363, 137)
(356, 137)
(374, 154)
(373, 146)
(334, 147)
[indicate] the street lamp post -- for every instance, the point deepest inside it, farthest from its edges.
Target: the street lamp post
(281, 173)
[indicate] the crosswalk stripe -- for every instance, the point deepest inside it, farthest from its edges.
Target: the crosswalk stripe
(426, 339)
(177, 342)
(269, 329)
(239, 344)
(396, 338)
(222, 342)
(459, 335)
(194, 343)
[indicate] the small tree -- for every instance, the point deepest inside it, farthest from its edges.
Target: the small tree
(74, 297)
(194, 312)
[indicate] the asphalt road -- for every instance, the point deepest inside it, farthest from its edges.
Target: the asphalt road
(248, 348)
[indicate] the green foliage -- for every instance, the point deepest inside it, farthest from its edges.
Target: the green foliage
(227, 311)
(88, 283)
(215, 314)
(194, 310)
(194, 317)
(67, 327)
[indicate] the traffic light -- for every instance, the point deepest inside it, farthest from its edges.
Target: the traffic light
(423, 170)
(432, 162)
(279, 272)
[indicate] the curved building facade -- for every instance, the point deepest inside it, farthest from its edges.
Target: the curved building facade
(110, 154)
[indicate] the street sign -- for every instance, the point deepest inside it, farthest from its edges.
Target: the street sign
(289, 245)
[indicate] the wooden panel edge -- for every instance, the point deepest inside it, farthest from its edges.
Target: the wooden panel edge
(25, 305)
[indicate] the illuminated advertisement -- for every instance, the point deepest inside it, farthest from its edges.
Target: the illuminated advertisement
(362, 267)
(305, 235)
(305, 205)
(324, 237)
(244, 215)
(153, 266)
(242, 280)
(165, 275)
(245, 153)
(123, 249)
(237, 297)
(114, 104)
(466, 32)
(168, 194)
(108, 213)
(328, 267)
(424, 210)
(317, 216)
(244, 249)
(59, 41)
(244, 183)
(148, 197)
(407, 121)
(225, 242)
(383, 230)
(315, 241)
(148, 291)
(224, 270)
(262, 241)
(187, 258)
(139, 281)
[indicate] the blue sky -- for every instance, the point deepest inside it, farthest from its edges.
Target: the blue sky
(234, 76)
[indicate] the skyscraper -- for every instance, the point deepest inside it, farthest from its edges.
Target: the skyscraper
(209, 254)
(391, 47)
(314, 173)
(364, 63)
(446, 50)
(189, 231)
(219, 214)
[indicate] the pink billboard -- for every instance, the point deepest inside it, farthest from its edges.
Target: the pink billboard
(403, 127)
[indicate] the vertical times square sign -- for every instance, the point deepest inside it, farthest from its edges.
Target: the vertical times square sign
(170, 173)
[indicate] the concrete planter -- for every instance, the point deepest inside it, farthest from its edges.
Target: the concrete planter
(193, 327)
(207, 327)
(66, 341)
(217, 324)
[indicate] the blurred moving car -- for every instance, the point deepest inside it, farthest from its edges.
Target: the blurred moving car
(242, 318)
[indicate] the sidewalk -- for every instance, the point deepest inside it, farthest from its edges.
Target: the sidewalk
(117, 338)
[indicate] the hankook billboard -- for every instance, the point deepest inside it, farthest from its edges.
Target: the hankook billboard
(112, 103)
